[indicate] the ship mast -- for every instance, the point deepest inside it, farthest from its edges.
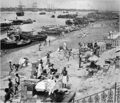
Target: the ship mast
(35, 6)
(20, 6)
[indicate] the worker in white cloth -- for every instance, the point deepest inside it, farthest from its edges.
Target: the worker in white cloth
(65, 46)
(51, 86)
(39, 70)
(65, 77)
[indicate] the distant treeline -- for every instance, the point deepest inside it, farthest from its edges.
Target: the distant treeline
(46, 9)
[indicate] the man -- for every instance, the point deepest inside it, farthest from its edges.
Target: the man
(17, 82)
(40, 47)
(65, 77)
(49, 42)
(10, 87)
(52, 69)
(16, 66)
(48, 58)
(41, 62)
(45, 42)
(39, 70)
(96, 49)
(11, 67)
(7, 96)
(65, 46)
(69, 54)
(80, 60)
(51, 86)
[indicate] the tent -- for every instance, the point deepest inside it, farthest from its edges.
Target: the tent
(114, 36)
(93, 58)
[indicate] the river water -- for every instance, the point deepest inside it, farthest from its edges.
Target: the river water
(41, 20)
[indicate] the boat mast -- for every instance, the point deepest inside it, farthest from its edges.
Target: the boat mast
(20, 6)
(35, 6)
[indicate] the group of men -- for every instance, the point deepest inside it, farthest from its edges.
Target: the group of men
(49, 70)
(16, 67)
(13, 88)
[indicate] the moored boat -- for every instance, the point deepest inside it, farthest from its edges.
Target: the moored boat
(53, 16)
(42, 13)
(51, 32)
(5, 25)
(32, 37)
(20, 11)
(9, 44)
(19, 21)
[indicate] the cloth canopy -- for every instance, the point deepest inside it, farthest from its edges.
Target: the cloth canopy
(22, 61)
(41, 86)
(45, 85)
(88, 53)
(93, 58)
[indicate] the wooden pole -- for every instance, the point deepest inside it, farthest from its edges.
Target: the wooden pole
(79, 55)
(115, 92)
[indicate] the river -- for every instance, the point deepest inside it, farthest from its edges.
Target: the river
(41, 20)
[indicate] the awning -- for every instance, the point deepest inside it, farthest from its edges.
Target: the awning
(93, 58)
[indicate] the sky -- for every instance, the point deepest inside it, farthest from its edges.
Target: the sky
(74, 4)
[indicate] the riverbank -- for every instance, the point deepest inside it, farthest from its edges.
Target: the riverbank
(32, 52)
(93, 33)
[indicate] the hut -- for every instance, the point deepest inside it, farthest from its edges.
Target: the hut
(102, 46)
(116, 42)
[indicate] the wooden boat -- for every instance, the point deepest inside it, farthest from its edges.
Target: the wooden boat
(19, 22)
(53, 16)
(29, 35)
(5, 25)
(51, 32)
(20, 11)
(42, 13)
(9, 44)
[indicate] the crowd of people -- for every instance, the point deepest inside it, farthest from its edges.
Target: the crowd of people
(44, 72)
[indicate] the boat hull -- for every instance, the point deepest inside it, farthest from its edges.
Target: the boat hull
(29, 35)
(20, 13)
(52, 32)
(10, 45)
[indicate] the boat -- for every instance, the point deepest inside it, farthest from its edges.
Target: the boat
(42, 13)
(19, 22)
(20, 11)
(5, 25)
(51, 32)
(10, 44)
(30, 35)
(53, 16)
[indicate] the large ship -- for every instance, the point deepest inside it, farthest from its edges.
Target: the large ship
(20, 11)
